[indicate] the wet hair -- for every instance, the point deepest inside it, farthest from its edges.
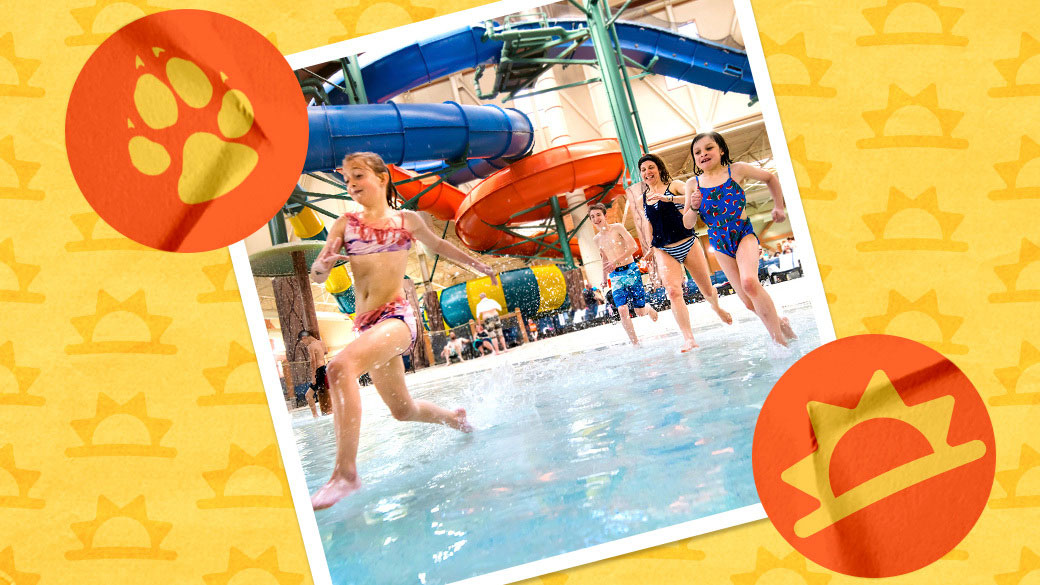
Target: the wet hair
(375, 163)
(662, 169)
(719, 140)
(598, 207)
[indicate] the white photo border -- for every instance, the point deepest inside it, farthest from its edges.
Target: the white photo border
(265, 356)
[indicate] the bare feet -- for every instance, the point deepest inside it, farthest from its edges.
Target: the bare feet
(779, 338)
(335, 490)
(688, 346)
(785, 328)
(653, 313)
(461, 423)
(723, 314)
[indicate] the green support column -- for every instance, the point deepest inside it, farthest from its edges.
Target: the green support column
(561, 232)
(276, 227)
(611, 71)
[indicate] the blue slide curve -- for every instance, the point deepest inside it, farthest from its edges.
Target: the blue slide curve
(403, 133)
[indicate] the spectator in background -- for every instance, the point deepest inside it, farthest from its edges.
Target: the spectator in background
(488, 311)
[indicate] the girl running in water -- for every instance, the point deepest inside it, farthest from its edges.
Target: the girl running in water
(659, 223)
(376, 241)
(715, 192)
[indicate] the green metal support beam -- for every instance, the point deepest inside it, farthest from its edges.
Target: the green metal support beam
(276, 227)
(612, 70)
(561, 232)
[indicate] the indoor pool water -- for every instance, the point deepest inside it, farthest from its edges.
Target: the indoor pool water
(570, 451)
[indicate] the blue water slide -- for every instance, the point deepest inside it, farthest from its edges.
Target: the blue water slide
(692, 60)
(403, 133)
(390, 74)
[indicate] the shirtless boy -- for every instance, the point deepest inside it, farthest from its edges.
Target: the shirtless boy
(616, 247)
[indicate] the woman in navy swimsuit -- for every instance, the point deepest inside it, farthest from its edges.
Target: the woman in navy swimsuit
(660, 223)
(715, 193)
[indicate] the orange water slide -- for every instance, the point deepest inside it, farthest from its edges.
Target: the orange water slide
(442, 201)
(530, 182)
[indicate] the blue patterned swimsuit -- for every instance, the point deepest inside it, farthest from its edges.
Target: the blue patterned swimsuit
(721, 208)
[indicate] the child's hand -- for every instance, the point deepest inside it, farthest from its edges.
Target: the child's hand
(490, 272)
(329, 257)
(779, 214)
(695, 199)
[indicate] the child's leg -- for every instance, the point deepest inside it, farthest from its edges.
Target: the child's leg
(388, 378)
(743, 273)
(671, 275)
(626, 322)
(377, 345)
(697, 264)
(310, 402)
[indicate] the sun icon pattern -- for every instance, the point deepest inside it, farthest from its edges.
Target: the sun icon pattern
(896, 97)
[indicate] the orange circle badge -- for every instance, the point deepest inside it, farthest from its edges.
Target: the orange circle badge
(186, 130)
(873, 455)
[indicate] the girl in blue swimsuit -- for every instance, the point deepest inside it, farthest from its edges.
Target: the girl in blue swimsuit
(715, 192)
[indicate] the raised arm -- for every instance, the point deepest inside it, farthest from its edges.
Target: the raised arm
(415, 224)
(692, 203)
(329, 254)
(742, 170)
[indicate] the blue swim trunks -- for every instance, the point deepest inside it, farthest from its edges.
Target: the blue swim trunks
(626, 284)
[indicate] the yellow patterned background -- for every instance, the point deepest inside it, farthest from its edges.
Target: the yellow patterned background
(135, 440)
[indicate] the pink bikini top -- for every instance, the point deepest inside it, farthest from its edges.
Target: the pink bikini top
(360, 238)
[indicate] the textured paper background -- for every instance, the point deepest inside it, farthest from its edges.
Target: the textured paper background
(914, 130)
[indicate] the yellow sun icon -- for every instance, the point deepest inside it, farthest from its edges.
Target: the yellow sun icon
(23, 68)
(816, 68)
(830, 423)
(23, 478)
(135, 510)
(1028, 561)
(815, 169)
(928, 202)
(350, 16)
(136, 408)
(766, 561)
(135, 304)
(267, 459)
(87, 19)
(87, 224)
(24, 274)
(1028, 48)
(898, 99)
(23, 376)
(217, 274)
(10, 574)
(1009, 274)
(217, 377)
(879, 18)
(24, 170)
(1028, 151)
(1028, 357)
(266, 561)
(928, 305)
(1028, 460)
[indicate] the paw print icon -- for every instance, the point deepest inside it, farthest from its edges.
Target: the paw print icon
(186, 130)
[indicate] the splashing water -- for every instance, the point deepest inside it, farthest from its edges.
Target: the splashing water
(583, 444)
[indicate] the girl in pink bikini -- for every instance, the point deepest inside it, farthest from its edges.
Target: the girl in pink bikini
(376, 241)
